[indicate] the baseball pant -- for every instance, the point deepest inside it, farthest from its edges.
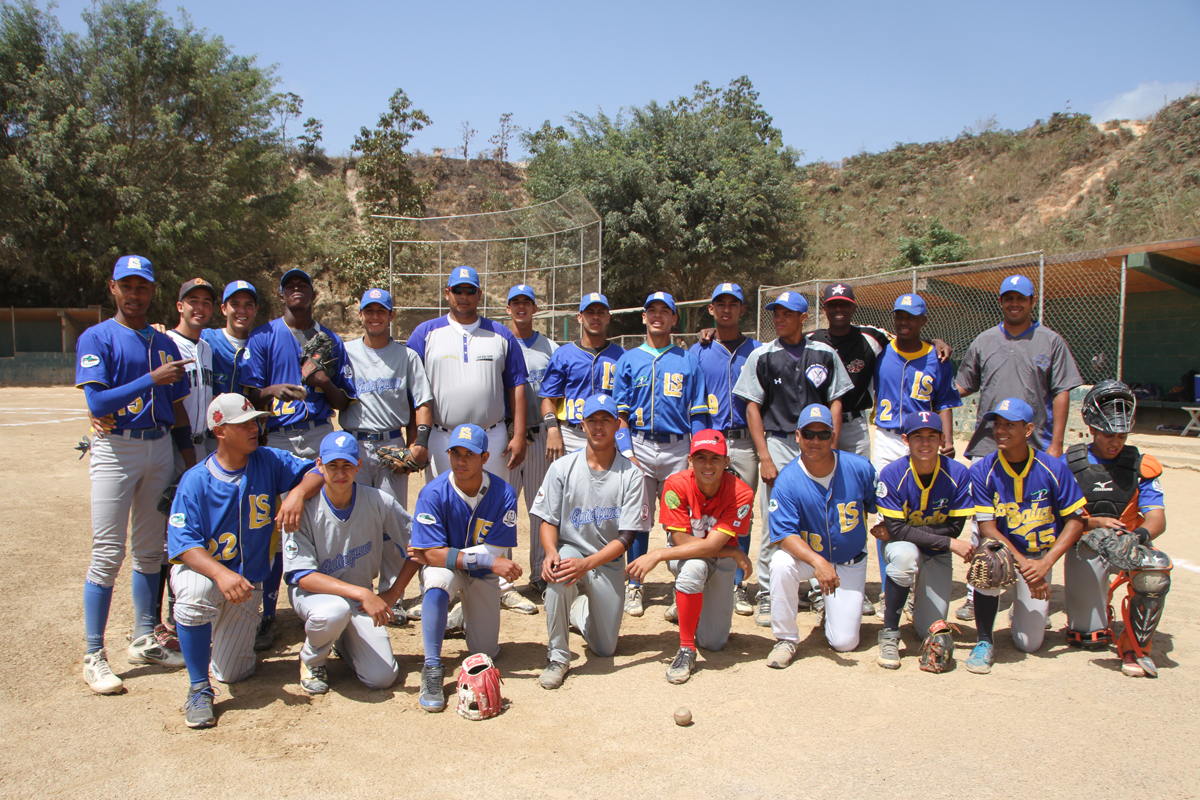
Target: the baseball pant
(480, 601)
(302, 444)
(198, 601)
(597, 615)
(329, 619)
(128, 477)
(889, 447)
(713, 577)
(856, 437)
(743, 460)
(372, 473)
(528, 479)
(659, 460)
(573, 438)
(843, 608)
(908, 565)
(202, 450)
(782, 451)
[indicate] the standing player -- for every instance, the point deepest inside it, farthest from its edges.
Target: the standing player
(705, 509)
(660, 397)
(818, 511)
(577, 371)
(466, 522)
(133, 372)
(780, 379)
(924, 499)
(239, 304)
(590, 507)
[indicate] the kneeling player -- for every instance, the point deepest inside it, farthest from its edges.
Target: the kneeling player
(924, 500)
(699, 501)
(466, 521)
(344, 536)
(1124, 499)
(591, 505)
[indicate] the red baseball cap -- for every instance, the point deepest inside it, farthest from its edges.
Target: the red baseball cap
(713, 441)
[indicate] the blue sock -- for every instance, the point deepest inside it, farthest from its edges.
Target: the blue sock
(641, 543)
(145, 598)
(882, 564)
(743, 543)
(271, 587)
(195, 642)
(96, 602)
(433, 624)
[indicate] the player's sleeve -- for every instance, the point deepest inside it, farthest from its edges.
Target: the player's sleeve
(255, 364)
(622, 389)
(515, 372)
(748, 386)
(878, 336)
(947, 394)
(300, 548)
(743, 508)
(698, 401)
(91, 361)
(417, 341)
(784, 509)
(887, 490)
(961, 504)
(968, 371)
(397, 524)
(288, 469)
(185, 524)
(635, 510)
(504, 530)
(428, 529)
(1150, 494)
(548, 502)
(552, 381)
(982, 490)
(1069, 497)
(869, 483)
(840, 382)
(182, 387)
(673, 513)
(344, 379)
(419, 390)
(1064, 373)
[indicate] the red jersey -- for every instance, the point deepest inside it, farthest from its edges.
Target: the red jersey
(685, 508)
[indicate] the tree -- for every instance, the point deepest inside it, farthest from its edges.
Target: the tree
(468, 133)
(287, 106)
(936, 246)
(391, 187)
(310, 140)
(699, 190)
(503, 136)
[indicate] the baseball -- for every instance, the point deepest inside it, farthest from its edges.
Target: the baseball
(683, 716)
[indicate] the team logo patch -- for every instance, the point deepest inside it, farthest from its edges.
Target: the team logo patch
(816, 375)
(341, 440)
(289, 548)
(511, 517)
(1040, 495)
(1156, 484)
(245, 355)
(645, 511)
(217, 417)
(541, 495)
(89, 361)
(743, 511)
(178, 520)
(1003, 406)
(672, 500)
(773, 505)
(856, 366)
(465, 433)
(426, 519)
(881, 490)
(135, 263)
(375, 293)
(1042, 361)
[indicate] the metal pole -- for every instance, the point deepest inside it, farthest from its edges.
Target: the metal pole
(554, 272)
(1121, 324)
(600, 257)
(581, 240)
(487, 246)
(817, 303)
(759, 322)
(441, 295)
(525, 273)
(1042, 287)
(391, 287)
(914, 289)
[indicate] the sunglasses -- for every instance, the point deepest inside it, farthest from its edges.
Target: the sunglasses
(469, 291)
(824, 436)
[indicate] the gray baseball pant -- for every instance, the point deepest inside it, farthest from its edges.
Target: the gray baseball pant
(480, 602)
(573, 438)
(128, 477)
(374, 474)
(932, 574)
(302, 444)
(330, 619)
(659, 460)
(855, 437)
(198, 601)
(201, 452)
(782, 451)
(597, 615)
(713, 577)
(528, 479)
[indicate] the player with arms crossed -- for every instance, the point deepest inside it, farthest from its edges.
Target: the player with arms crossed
(466, 522)
(590, 507)
(705, 508)
(239, 304)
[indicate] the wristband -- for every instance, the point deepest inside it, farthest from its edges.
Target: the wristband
(626, 538)
(550, 419)
(182, 437)
(422, 437)
(473, 561)
(624, 440)
(452, 558)
(1143, 535)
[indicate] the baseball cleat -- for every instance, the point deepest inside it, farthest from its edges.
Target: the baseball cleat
(314, 680)
(672, 613)
(816, 600)
(166, 637)
(741, 601)
(146, 650)
(454, 620)
(981, 658)
(781, 654)
(399, 615)
(198, 710)
(99, 676)
(264, 637)
(1131, 668)
(515, 601)
(633, 601)
(539, 586)
(433, 698)
(553, 675)
(682, 666)
(889, 649)
(1148, 666)
(868, 608)
(966, 612)
(762, 614)
(413, 609)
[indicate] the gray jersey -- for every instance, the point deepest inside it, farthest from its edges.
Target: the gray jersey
(390, 382)
(537, 358)
(590, 508)
(200, 378)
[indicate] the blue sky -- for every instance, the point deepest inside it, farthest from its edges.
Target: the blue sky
(839, 78)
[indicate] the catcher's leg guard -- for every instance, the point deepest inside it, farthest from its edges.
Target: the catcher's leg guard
(1096, 640)
(1142, 609)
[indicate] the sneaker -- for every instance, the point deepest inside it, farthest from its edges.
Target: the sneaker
(889, 649)
(314, 680)
(966, 612)
(682, 666)
(538, 585)
(741, 601)
(433, 696)
(980, 661)
(633, 601)
(198, 710)
(781, 654)
(264, 637)
(816, 600)
(553, 675)
(166, 637)
(515, 601)
(868, 608)
(762, 614)
(146, 650)
(399, 615)
(672, 613)
(99, 675)
(454, 620)
(1131, 667)
(413, 609)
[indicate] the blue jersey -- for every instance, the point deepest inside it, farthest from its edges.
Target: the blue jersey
(661, 392)
(443, 518)
(275, 358)
(1029, 507)
(721, 368)
(576, 373)
(907, 382)
(233, 516)
(109, 355)
(900, 494)
(833, 521)
(228, 361)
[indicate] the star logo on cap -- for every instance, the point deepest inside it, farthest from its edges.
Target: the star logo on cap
(839, 289)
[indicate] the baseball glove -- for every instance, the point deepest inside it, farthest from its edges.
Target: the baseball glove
(479, 688)
(399, 460)
(317, 354)
(937, 651)
(992, 567)
(166, 498)
(1121, 549)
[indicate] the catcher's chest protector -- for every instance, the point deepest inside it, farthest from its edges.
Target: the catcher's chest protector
(1110, 488)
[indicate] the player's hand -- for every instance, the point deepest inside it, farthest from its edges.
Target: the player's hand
(743, 561)
(515, 452)
(962, 548)
(827, 576)
(376, 608)
(171, 372)
(706, 335)
(102, 424)
(290, 510)
(234, 587)
(948, 449)
(767, 472)
(418, 557)
(158, 326)
(942, 349)
(554, 444)
(419, 453)
(642, 566)
(507, 569)
(1034, 571)
(1105, 522)
(285, 391)
(549, 565)
(880, 532)
(317, 379)
(1055, 450)
(569, 570)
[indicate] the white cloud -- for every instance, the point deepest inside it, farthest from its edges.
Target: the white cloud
(1142, 102)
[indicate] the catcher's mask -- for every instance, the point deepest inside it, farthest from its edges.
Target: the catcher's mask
(1109, 407)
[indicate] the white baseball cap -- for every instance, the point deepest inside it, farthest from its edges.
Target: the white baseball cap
(231, 408)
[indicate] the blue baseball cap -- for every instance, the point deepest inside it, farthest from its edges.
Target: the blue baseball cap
(814, 412)
(599, 402)
(133, 265)
(339, 444)
(916, 420)
(292, 273)
(662, 297)
(1013, 409)
(912, 303)
(379, 296)
(590, 299)
(1017, 283)
(730, 289)
(461, 275)
(239, 286)
(522, 290)
(793, 301)
(469, 436)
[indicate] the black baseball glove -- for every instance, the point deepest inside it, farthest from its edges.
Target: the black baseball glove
(317, 354)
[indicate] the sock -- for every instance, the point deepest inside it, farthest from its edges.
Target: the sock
(433, 624)
(96, 602)
(986, 607)
(971, 594)
(882, 564)
(894, 598)
(195, 642)
(743, 543)
(271, 587)
(690, 606)
(641, 543)
(164, 579)
(145, 589)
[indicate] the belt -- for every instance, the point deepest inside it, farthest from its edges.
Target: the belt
(533, 430)
(660, 438)
(578, 425)
(737, 433)
(849, 415)
(448, 430)
(367, 436)
(780, 434)
(148, 434)
(299, 426)
(857, 559)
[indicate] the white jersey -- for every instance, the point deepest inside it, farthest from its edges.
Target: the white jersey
(537, 352)
(200, 378)
(390, 383)
(590, 508)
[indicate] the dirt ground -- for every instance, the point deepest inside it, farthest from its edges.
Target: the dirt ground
(1059, 723)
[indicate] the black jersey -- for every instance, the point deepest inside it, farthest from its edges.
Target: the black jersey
(783, 385)
(858, 350)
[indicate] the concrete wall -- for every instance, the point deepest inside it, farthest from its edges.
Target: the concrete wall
(1162, 337)
(38, 369)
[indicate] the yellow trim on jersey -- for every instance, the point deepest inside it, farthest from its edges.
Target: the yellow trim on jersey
(917, 480)
(924, 351)
(677, 530)
(960, 512)
(985, 510)
(892, 513)
(1018, 480)
(728, 532)
(1066, 512)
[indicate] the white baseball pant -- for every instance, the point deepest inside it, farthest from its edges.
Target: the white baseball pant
(329, 619)
(128, 478)
(843, 608)
(198, 601)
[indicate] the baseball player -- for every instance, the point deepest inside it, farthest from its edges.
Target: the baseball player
(219, 538)
(577, 371)
(705, 508)
(134, 373)
(660, 397)
(590, 506)
(1029, 501)
(925, 499)
(818, 510)
(778, 380)
(329, 563)
(239, 304)
(300, 407)
(466, 522)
